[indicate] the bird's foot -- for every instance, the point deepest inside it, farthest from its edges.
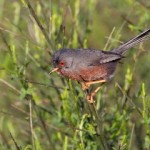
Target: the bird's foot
(90, 96)
(90, 99)
(85, 86)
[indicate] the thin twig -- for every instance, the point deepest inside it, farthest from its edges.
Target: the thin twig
(10, 86)
(131, 139)
(31, 124)
(124, 93)
(5, 41)
(44, 84)
(29, 97)
(39, 24)
(20, 110)
(78, 129)
(109, 38)
(17, 147)
(102, 140)
(100, 127)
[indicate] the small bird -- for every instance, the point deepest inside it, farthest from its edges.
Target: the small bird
(90, 66)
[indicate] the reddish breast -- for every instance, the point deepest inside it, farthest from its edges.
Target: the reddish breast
(94, 73)
(91, 73)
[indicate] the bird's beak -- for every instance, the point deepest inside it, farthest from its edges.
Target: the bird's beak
(53, 70)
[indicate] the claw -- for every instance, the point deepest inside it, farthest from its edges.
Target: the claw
(84, 86)
(90, 96)
(90, 99)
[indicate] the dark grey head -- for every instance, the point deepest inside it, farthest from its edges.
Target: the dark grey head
(63, 59)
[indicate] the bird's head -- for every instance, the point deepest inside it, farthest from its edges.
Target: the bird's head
(62, 60)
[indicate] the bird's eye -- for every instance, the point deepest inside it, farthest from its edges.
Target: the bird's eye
(61, 63)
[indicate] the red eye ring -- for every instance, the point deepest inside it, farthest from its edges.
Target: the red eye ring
(61, 63)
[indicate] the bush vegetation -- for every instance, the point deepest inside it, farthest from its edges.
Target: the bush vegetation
(48, 112)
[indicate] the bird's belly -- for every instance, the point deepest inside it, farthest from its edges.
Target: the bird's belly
(101, 72)
(91, 73)
(71, 74)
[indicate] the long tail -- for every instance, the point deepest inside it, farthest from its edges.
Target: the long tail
(127, 45)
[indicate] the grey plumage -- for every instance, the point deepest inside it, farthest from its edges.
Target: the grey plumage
(127, 45)
(79, 64)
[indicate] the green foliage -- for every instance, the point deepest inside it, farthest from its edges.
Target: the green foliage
(40, 111)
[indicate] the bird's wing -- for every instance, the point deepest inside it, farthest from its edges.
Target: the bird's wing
(101, 57)
(109, 57)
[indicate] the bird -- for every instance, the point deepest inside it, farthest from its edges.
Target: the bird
(91, 66)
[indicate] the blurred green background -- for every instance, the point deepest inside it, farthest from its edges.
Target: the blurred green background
(47, 112)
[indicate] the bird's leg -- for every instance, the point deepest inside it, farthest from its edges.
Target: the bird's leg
(92, 94)
(90, 99)
(89, 96)
(86, 85)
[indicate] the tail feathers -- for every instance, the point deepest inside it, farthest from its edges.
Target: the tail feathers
(127, 45)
